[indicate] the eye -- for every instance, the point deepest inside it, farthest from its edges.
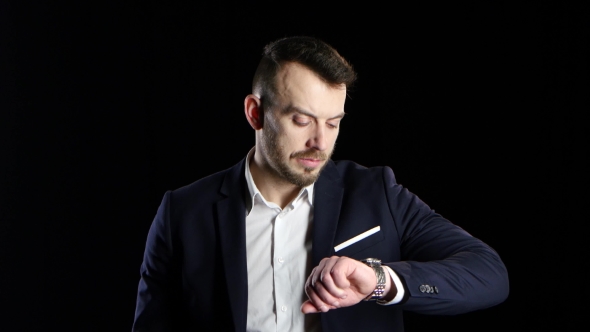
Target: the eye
(333, 125)
(301, 122)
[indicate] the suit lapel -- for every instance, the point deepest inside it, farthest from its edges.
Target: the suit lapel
(327, 192)
(232, 233)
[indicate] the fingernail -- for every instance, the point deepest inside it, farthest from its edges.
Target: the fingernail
(336, 304)
(343, 296)
(323, 308)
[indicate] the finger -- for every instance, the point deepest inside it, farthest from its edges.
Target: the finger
(322, 303)
(315, 301)
(318, 271)
(324, 268)
(310, 277)
(327, 266)
(335, 279)
(344, 272)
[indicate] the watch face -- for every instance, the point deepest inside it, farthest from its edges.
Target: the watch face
(371, 261)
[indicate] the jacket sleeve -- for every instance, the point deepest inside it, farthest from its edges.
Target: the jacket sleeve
(445, 270)
(157, 295)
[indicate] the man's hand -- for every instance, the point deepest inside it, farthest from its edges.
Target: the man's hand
(339, 282)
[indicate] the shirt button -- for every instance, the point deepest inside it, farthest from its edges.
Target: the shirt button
(283, 308)
(281, 260)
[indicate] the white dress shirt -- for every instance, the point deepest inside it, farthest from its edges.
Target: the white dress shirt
(278, 249)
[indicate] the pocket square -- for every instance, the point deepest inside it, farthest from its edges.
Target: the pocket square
(357, 238)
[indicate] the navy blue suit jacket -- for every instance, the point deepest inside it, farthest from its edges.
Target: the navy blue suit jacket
(194, 270)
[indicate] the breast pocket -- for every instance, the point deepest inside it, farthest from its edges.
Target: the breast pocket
(357, 243)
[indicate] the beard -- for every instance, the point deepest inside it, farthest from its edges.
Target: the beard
(275, 153)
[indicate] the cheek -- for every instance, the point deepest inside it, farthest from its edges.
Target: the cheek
(292, 138)
(333, 136)
(296, 141)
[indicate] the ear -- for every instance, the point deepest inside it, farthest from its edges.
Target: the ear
(253, 111)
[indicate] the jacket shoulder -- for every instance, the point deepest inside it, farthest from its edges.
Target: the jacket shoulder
(206, 184)
(212, 187)
(355, 173)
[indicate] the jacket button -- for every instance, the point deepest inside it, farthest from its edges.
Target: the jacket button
(428, 289)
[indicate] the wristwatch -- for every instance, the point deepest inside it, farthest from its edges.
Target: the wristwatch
(379, 291)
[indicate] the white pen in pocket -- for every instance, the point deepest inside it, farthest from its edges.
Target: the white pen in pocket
(357, 238)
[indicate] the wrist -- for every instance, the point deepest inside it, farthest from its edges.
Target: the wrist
(391, 289)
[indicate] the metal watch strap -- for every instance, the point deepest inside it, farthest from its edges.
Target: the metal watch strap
(380, 274)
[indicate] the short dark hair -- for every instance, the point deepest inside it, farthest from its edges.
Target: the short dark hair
(315, 54)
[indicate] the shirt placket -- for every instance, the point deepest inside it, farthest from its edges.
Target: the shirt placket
(280, 272)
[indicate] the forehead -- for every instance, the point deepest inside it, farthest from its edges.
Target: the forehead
(298, 87)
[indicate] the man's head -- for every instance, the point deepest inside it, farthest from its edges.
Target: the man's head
(310, 52)
(296, 105)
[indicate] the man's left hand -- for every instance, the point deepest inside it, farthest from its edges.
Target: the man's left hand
(339, 282)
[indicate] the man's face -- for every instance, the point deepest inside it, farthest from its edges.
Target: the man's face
(301, 126)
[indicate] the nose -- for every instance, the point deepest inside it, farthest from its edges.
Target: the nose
(318, 140)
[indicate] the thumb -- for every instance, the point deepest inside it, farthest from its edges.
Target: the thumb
(308, 308)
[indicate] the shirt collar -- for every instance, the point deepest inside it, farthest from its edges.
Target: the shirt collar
(253, 190)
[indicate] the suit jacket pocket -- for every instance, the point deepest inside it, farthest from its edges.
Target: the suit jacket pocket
(358, 242)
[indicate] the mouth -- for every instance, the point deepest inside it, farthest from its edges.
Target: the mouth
(310, 162)
(310, 159)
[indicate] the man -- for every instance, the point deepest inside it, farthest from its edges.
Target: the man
(289, 240)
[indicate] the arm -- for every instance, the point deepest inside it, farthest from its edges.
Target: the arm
(467, 273)
(157, 292)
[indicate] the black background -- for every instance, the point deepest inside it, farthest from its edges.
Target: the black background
(478, 107)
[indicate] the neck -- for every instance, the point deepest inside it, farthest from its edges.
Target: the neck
(272, 187)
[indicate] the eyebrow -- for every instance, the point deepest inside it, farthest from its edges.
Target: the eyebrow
(306, 113)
